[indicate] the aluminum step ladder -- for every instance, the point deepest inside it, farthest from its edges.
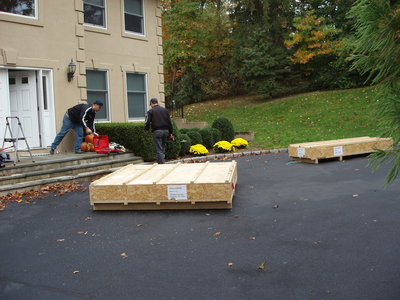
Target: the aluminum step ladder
(14, 139)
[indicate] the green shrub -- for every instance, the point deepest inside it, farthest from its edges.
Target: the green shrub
(132, 136)
(184, 130)
(195, 136)
(207, 136)
(216, 133)
(226, 128)
(185, 142)
(173, 147)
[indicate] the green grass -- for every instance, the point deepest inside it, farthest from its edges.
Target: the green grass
(302, 118)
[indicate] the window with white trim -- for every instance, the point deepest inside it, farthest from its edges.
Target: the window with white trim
(95, 12)
(137, 95)
(97, 89)
(133, 15)
(26, 8)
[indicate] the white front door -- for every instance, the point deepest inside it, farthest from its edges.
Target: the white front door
(24, 105)
(46, 108)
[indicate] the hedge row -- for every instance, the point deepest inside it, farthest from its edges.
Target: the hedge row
(134, 137)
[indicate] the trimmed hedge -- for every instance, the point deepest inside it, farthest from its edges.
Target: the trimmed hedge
(173, 147)
(132, 136)
(226, 128)
(185, 142)
(216, 133)
(207, 136)
(195, 136)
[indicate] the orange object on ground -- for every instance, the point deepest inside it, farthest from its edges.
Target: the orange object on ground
(89, 138)
(84, 147)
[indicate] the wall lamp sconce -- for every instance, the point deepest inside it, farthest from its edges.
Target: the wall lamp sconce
(71, 70)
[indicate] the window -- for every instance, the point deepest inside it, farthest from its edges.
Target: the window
(136, 87)
(94, 11)
(133, 13)
(25, 8)
(97, 89)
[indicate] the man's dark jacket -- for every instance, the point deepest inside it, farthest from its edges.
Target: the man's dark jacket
(82, 114)
(158, 118)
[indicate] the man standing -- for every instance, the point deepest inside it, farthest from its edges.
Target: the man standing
(161, 126)
(79, 117)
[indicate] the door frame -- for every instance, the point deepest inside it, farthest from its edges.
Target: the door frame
(47, 126)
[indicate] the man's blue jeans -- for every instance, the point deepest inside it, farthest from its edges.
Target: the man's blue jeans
(67, 125)
(160, 139)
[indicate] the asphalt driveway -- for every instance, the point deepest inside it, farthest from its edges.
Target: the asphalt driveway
(296, 231)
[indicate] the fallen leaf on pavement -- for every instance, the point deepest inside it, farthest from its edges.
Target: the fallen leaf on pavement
(275, 206)
(218, 233)
(124, 255)
(60, 240)
(75, 272)
(355, 195)
(252, 237)
(262, 266)
(229, 264)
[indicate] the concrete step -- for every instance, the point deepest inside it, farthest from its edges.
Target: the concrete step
(61, 169)
(59, 161)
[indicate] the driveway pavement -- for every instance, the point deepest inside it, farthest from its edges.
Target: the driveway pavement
(296, 231)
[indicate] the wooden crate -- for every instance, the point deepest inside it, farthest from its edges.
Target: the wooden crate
(167, 186)
(314, 151)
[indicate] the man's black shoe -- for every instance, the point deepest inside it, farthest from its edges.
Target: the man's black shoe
(51, 151)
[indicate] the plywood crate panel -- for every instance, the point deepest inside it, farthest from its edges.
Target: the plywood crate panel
(314, 151)
(167, 186)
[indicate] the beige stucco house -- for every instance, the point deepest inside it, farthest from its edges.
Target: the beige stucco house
(116, 46)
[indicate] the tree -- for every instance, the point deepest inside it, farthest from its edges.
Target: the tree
(377, 53)
(260, 56)
(185, 42)
(313, 37)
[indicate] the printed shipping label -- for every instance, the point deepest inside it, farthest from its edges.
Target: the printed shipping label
(338, 151)
(301, 152)
(177, 192)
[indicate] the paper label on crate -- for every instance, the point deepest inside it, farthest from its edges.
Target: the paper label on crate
(301, 152)
(338, 151)
(177, 192)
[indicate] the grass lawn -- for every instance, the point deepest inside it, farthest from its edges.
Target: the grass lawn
(307, 117)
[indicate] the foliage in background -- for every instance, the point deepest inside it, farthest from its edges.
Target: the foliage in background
(376, 52)
(217, 48)
(185, 40)
(225, 126)
(313, 37)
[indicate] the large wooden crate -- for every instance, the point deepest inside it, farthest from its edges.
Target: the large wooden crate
(166, 186)
(314, 151)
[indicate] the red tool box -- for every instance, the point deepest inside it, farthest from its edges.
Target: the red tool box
(102, 145)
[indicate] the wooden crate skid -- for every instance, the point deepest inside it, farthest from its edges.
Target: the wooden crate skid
(314, 151)
(168, 186)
